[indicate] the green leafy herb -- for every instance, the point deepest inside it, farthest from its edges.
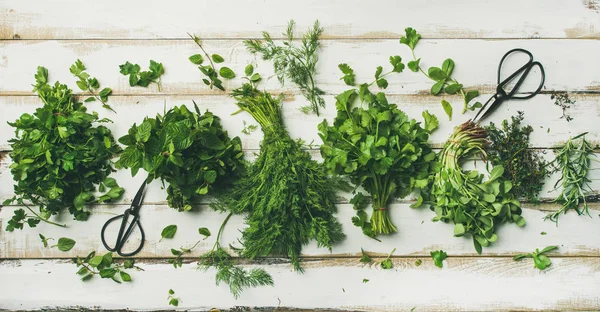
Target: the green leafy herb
(65, 244)
(523, 166)
(237, 278)
(442, 76)
(365, 280)
(168, 232)
(387, 263)
(91, 85)
(45, 240)
(562, 100)
(540, 260)
(143, 78)
(418, 262)
(297, 64)
(210, 70)
(174, 301)
(190, 151)
(364, 257)
(105, 267)
(543, 233)
(249, 128)
(349, 76)
(284, 189)
(573, 161)
(438, 257)
(59, 156)
(379, 148)
(475, 207)
(178, 260)
(204, 231)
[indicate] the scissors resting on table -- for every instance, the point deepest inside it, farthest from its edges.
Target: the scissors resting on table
(127, 227)
(501, 94)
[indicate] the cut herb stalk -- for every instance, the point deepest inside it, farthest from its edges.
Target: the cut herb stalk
(574, 161)
(462, 197)
(289, 199)
(379, 148)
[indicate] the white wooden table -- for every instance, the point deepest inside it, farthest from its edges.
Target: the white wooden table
(563, 35)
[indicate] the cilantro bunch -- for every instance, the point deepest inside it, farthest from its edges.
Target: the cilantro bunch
(380, 148)
(188, 150)
(289, 199)
(476, 207)
(60, 155)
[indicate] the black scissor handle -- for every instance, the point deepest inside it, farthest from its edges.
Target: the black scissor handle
(123, 234)
(522, 73)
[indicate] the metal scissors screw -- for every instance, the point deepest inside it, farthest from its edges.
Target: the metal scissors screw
(501, 95)
(124, 234)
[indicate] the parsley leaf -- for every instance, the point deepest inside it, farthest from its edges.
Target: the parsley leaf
(438, 257)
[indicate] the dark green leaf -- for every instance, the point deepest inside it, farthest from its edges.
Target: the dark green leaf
(447, 108)
(65, 244)
(204, 231)
(169, 231)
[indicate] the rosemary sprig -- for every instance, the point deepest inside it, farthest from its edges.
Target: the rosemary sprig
(297, 64)
(574, 161)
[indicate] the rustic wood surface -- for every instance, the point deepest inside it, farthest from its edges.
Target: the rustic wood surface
(563, 35)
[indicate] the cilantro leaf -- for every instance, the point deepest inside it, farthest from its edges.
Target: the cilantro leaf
(438, 257)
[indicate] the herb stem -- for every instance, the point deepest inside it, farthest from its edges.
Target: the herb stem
(43, 219)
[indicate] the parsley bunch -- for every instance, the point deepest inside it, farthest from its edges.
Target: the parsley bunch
(299, 64)
(524, 167)
(380, 148)
(475, 206)
(190, 151)
(289, 198)
(59, 157)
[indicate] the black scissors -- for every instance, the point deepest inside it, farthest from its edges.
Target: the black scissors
(501, 94)
(124, 234)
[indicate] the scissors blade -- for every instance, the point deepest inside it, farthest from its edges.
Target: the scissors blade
(136, 204)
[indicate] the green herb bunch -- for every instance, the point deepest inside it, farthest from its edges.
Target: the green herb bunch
(510, 148)
(288, 197)
(442, 76)
(297, 64)
(188, 150)
(235, 277)
(60, 155)
(574, 161)
(475, 206)
(379, 148)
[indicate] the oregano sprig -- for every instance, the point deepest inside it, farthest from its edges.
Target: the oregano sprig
(210, 70)
(143, 78)
(442, 76)
(90, 84)
(105, 267)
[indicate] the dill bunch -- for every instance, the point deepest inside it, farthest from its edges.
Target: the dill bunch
(524, 167)
(476, 207)
(296, 63)
(289, 198)
(236, 278)
(574, 161)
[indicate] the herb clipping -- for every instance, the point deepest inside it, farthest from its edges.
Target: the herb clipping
(573, 161)
(188, 150)
(59, 156)
(476, 207)
(143, 78)
(379, 148)
(64, 243)
(174, 301)
(438, 257)
(237, 278)
(91, 85)
(210, 70)
(540, 259)
(105, 267)
(564, 101)
(523, 166)
(296, 63)
(283, 189)
(178, 253)
(442, 76)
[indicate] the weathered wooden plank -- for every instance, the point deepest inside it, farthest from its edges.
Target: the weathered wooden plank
(540, 113)
(417, 236)
(569, 284)
(68, 19)
(19, 60)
